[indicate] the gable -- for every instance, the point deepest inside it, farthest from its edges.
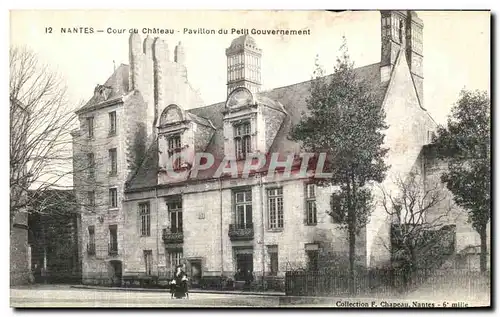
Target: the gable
(408, 122)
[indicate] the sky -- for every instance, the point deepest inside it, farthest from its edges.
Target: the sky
(456, 46)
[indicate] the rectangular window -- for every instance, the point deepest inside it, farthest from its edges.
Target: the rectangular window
(91, 165)
(90, 127)
(113, 198)
(175, 258)
(312, 257)
(113, 162)
(311, 213)
(273, 258)
(91, 199)
(91, 234)
(145, 215)
(112, 123)
(91, 243)
(174, 146)
(175, 213)
(148, 261)
(275, 208)
(242, 140)
(243, 209)
(113, 239)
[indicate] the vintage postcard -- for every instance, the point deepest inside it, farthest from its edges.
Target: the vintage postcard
(250, 159)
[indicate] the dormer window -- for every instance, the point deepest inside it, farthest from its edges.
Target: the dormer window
(102, 92)
(242, 140)
(174, 146)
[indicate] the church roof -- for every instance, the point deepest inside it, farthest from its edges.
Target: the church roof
(292, 98)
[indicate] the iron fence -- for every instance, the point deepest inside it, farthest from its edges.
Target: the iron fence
(386, 282)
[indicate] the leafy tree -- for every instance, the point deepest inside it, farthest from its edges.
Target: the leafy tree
(465, 144)
(345, 120)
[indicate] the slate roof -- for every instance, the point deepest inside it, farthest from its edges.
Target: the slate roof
(292, 98)
(146, 175)
(119, 84)
(242, 40)
(198, 119)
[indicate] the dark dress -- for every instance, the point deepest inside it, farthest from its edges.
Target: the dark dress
(178, 286)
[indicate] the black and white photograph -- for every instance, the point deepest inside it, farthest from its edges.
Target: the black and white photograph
(307, 158)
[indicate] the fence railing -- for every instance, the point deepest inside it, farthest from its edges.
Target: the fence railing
(241, 231)
(172, 236)
(385, 282)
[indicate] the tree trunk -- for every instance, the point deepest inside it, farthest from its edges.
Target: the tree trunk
(352, 236)
(352, 251)
(484, 251)
(412, 269)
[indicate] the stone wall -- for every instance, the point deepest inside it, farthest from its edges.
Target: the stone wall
(205, 234)
(466, 236)
(408, 132)
(20, 258)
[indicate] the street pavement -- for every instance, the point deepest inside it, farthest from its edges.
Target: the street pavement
(64, 296)
(51, 296)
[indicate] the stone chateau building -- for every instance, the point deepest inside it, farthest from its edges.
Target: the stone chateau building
(137, 220)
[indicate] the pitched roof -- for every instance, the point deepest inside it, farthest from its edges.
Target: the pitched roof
(198, 119)
(147, 174)
(242, 40)
(292, 98)
(118, 82)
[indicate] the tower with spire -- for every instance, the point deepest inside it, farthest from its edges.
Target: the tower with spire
(243, 64)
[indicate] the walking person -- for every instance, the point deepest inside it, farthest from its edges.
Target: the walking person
(248, 279)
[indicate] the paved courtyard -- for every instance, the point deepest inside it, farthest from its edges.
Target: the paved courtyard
(65, 296)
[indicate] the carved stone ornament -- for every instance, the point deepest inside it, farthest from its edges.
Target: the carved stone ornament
(239, 97)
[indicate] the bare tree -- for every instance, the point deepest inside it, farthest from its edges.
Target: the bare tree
(420, 215)
(41, 119)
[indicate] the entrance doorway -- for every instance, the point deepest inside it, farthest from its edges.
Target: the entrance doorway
(244, 266)
(195, 272)
(117, 272)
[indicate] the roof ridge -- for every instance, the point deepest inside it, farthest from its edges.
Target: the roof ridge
(286, 86)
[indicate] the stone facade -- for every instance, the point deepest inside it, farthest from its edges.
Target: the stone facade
(467, 240)
(132, 93)
(20, 250)
(208, 213)
(409, 130)
(163, 221)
